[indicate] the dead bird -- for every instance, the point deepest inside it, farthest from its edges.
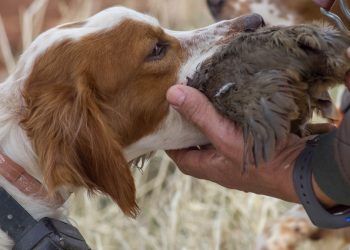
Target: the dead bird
(270, 81)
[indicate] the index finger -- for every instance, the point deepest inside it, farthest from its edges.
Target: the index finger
(326, 4)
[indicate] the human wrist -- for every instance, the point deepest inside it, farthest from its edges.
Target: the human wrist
(290, 194)
(320, 215)
(321, 196)
(287, 182)
(288, 186)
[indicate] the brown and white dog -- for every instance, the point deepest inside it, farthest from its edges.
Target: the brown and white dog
(87, 98)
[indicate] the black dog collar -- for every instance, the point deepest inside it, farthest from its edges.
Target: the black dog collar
(29, 234)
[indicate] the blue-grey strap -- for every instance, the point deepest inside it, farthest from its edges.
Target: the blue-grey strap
(302, 177)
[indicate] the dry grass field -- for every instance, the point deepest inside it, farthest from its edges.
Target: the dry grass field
(177, 212)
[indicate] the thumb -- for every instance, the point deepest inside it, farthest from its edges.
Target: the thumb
(196, 108)
(192, 104)
(326, 4)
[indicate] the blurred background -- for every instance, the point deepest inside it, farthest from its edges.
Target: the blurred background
(23, 20)
(177, 212)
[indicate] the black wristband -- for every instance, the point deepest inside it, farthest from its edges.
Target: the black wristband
(302, 177)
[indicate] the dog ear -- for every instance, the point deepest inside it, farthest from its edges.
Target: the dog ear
(74, 143)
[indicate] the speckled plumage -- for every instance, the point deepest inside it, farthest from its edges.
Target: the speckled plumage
(270, 81)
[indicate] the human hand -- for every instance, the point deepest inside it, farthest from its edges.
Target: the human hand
(222, 162)
(326, 4)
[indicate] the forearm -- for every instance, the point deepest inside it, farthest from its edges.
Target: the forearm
(321, 196)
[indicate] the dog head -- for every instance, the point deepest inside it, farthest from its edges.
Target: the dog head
(94, 96)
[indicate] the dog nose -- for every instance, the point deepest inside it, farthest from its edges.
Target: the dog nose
(253, 22)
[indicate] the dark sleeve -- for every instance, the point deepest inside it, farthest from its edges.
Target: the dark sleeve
(331, 160)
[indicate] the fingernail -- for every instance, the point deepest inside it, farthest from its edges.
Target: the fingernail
(176, 96)
(347, 80)
(326, 4)
(348, 53)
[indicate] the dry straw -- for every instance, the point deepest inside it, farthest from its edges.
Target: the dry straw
(5, 49)
(177, 212)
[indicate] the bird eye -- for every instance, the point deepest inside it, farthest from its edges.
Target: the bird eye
(158, 51)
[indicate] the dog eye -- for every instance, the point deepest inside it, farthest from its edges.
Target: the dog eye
(158, 51)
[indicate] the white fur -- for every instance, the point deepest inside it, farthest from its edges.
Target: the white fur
(201, 44)
(173, 132)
